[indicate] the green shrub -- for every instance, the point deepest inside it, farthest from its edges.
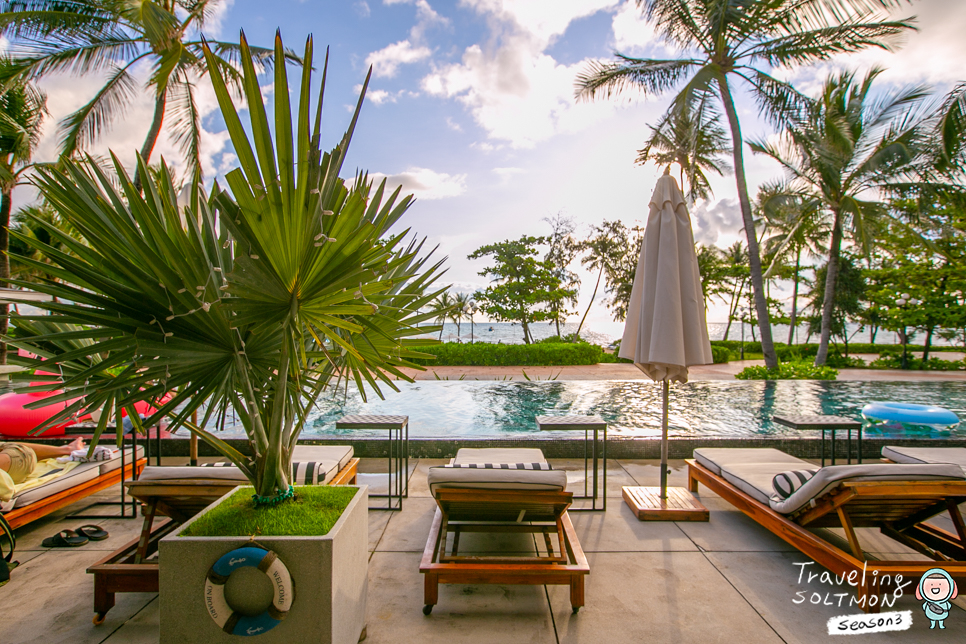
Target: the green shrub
(482, 354)
(720, 354)
(890, 361)
(789, 371)
(837, 360)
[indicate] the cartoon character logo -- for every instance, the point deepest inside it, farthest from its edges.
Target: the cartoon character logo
(936, 589)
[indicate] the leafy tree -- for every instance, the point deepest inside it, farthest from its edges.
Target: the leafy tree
(847, 302)
(845, 152)
(521, 282)
(602, 251)
(85, 37)
(22, 110)
(307, 287)
(619, 275)
(562, 251)
(690, 134)
(725, 40)
(736, 272)
(459, 311)
(713, 270)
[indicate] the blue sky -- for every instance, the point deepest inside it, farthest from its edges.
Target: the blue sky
(471, 108)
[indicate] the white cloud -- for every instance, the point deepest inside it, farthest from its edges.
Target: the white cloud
(362, 8)
(386, 61)
(716, 223)
(508, 173)
(377, 96)
(424, 183)
(536, 18)
(632, 33)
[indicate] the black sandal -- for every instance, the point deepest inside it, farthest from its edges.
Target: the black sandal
(65, 539)
(92, 532)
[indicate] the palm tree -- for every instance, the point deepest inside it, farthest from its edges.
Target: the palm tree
(22, 110)
(736, 269)
(457, 314)
(796, 228)
(83, 37)
(847, 150)
(731, 39)
(690, 134)
(442, 305)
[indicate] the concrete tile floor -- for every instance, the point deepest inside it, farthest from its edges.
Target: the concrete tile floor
(728, 580)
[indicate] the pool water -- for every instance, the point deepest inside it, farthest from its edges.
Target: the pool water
(632, 408)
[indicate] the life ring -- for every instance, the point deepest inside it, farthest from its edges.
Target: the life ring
(910, 414)
(248, 557)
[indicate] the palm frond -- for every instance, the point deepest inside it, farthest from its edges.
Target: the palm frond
(81, 128)
(651, 77)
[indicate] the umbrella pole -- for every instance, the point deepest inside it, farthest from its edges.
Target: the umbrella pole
(664, 442)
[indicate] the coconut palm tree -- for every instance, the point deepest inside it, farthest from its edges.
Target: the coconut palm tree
(306, 289)
(113, 37)
(794, 227)
(442, 306)
(727, 40)
(848, 150)
(22, 110)
(458, 313)
(690, 135)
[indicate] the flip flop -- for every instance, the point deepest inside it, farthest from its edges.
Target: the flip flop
(92, 532)
(64, 539)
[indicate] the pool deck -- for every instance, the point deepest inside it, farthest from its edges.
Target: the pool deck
(625, 371)
(728, 580)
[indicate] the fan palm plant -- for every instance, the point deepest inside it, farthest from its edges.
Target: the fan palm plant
(305, 288)
(733, 39)
(22, 110)
(112, 37)
(849, 149)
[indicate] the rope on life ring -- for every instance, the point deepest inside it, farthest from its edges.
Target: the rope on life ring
(248, 557)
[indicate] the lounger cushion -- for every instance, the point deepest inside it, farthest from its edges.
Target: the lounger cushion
(341, 454)
(829, 477)
(497, 479)
(786, 483)
(756, 479)
(115, 463)
(80, 474)
(229, 473)
(714, 458)
(954, 455)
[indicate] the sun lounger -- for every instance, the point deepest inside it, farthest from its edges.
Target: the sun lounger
(896, 498)
(80, 482)
(509, 491)
(954, 455)
(179, 493)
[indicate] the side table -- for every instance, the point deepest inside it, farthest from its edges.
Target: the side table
(830, 423)
(398, 427)
(585, 424)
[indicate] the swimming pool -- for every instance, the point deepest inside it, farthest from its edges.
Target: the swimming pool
(491, 409)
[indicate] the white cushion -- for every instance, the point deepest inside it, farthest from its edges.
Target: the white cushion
(161, 474)
(954, 455)
(830, 477)
(497, 479)
(755, 479)
(341, 454)
(714, 458)
(114, 463)
(80, 474)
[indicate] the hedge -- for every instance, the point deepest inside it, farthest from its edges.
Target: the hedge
(484, 354)
(788, 371)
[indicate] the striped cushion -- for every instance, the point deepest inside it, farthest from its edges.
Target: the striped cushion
(785, 483)
(503, 466)
(302, 473)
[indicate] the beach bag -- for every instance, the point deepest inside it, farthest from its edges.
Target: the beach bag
(6, 561)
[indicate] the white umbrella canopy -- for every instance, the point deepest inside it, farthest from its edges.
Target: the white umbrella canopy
(666, 329)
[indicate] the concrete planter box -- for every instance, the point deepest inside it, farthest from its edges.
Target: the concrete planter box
(329, 575)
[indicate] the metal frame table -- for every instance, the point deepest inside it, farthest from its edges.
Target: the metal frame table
(398, 427)
(830, 423)
(585, 423)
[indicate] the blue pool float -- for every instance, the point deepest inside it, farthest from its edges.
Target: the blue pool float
(908, 414)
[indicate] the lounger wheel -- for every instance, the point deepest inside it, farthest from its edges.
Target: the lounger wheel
(427, 609)
(99, 618)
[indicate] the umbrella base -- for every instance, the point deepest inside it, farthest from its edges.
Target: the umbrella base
(680, 505)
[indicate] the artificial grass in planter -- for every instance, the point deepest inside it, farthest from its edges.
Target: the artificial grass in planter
(312, 513)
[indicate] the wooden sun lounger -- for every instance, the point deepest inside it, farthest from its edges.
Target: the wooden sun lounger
(898, 508)
(561, 561)
(133, 568)
(41, 508)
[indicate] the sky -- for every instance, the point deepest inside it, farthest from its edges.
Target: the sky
(471, 108)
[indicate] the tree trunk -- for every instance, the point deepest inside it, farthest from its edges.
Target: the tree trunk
(791, 325)
(828, 303)
(152, 138)
(754, 259)
(599, 275)
(5, 205)
(925, 349)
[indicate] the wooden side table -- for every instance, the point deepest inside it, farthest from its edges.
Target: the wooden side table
(825, 423)
(398, 427)
(585, 424)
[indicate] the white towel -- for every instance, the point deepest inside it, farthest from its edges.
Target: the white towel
(101, 453)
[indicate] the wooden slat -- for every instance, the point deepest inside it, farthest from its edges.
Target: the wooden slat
(680, 504)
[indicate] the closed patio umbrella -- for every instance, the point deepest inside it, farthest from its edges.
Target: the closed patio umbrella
(666, 329)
